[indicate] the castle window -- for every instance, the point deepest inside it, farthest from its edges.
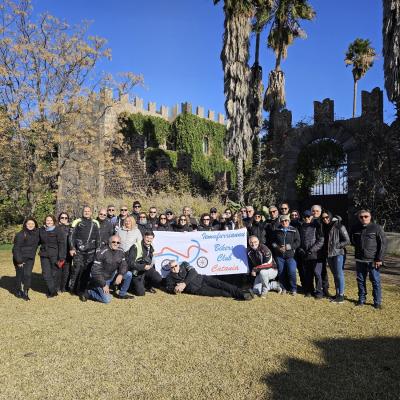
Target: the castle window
(206, 148)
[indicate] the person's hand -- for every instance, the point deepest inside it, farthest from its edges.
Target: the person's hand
(118, 279)
(147, 267)
(180, 287)
(282, 249)
(377, 264)
(253, 272)
(72, 253)
(106, 289)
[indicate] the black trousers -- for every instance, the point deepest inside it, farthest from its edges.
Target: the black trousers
(214, 287)
(50, 273)
(150, 278)
(63, 277)
(23, 275)
(313, 269)
(324, 276)
(82, 265)
(301, 270)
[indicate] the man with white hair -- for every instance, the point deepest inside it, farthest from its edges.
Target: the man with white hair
(109, 266)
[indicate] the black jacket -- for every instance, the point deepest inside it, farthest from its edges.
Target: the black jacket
(65, 230)
(164, 228)
(311, 240)
(205, 228)
(336, 238)
(186, 274)
(290, 239)
(52, 243)
(182, 228)
(257, 229)
(106, 231)
(147, 227)
(261, 255)
(25, 246)
(138, 258)
(270, 226)
(369, 242)
(107, 261)
(85, 235)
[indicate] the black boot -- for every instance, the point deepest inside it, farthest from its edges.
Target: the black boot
(19, 293)
(25, 295)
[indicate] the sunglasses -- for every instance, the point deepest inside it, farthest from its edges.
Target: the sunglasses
(169, 213)
(364, 216)
(63, 217)
(206, 219)
(257, 216)
(327, 217)
(284, 208)
(115, 242)
(153, 212)
(213, 212)
(111, 209)
(102, 215)
(183, 219)
(124, 209)
(163, 218)
(137, 206)
(273, 211)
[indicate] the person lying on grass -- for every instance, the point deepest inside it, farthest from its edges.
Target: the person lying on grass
(184, 278)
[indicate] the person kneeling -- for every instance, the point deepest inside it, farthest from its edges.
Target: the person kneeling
(263, 268)
(109, 266)
(184, 278)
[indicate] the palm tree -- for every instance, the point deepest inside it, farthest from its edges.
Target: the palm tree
(391, 50)
(361, 55)
(235, 57)
(285, 28)
(256, 87)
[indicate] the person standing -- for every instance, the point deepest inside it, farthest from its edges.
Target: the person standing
(370, 243)
(136, 207)
(311, 242)
(84, 240)
(24, 250)
(205, 223)
(105, 226)
(110, 212)
(118, 221)
(52, 254)
(129, 234)
(63, 224)
(336, 239)
(153, 218)
(257, 227)
(187, 212)
(162, 224)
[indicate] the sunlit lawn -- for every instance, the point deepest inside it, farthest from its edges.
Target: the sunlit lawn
(186, 347)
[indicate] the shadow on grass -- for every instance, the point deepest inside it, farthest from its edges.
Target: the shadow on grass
(38, 284)
(352, 369)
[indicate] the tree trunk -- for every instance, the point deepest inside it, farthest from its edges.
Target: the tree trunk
(354, 98)
(239, 178)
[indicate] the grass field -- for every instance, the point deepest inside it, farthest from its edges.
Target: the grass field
(186, 347)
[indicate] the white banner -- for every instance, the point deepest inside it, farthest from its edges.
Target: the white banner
(211, 253)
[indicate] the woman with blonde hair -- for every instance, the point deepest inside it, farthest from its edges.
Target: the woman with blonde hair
(129, 233)
(238, 220)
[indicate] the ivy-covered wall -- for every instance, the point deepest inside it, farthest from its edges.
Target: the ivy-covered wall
(179, 146)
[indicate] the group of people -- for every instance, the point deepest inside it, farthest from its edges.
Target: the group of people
(114, 254)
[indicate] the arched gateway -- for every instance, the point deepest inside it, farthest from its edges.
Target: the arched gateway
(337, 192)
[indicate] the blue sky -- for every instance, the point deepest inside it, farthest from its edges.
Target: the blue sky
(176, 45)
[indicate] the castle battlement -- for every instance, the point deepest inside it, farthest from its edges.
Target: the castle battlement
(122, 103)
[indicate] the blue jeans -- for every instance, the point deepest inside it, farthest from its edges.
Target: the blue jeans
(287, 273)
(98, 294)
(336, 266)
(363, 269)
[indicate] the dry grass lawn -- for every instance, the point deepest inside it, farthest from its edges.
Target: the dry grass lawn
(186, 347)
